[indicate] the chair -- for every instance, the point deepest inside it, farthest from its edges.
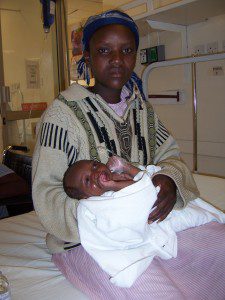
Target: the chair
(16, 158)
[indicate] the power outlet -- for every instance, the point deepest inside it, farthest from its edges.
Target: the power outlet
(212, 47)
(199, 49)
(217, 71)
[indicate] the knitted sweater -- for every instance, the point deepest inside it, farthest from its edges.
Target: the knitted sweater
(80, 125)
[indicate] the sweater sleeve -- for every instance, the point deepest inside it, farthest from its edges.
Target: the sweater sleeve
(54, 151)
(167, 156)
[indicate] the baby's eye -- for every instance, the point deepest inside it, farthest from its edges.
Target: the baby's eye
(95, 165)
(128, 50)
(87, 180)
(103, 50)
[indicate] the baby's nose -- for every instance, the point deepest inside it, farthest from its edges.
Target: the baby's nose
(95, 174)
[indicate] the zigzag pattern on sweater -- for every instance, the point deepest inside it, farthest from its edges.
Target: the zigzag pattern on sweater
(156, 135)
(93, 116)
(57, 138)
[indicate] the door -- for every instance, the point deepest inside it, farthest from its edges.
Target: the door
(28, 70)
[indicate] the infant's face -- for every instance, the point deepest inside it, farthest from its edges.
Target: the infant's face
(91, 178)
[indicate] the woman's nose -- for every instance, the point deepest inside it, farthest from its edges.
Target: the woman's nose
(116, 57)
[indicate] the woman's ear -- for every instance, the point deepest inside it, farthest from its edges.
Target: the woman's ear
(87, 57)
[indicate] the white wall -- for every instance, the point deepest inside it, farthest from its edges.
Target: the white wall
(211, 94)
(23, 38)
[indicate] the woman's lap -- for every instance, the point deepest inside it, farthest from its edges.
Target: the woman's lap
(196, 273)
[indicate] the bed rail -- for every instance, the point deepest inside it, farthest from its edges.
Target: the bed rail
(183, 61)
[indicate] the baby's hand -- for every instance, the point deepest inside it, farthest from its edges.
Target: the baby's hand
(117, 164)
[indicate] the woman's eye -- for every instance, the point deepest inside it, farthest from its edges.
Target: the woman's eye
(127, 50)
(103, 50)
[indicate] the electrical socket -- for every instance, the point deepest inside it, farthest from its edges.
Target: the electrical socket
(217, 71)
(199, 49)
(212, 47)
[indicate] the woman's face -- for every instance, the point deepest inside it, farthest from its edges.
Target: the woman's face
(112, 56)
(90, 177)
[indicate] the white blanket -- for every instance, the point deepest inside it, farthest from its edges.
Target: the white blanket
(114, 230)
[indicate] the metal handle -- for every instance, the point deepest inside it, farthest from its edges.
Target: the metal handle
(4, 95)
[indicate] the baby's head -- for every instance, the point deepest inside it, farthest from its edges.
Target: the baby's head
(86, 178)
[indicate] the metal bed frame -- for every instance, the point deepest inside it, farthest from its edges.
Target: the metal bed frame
(184, 61)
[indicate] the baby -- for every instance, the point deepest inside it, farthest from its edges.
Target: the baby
(86, 178)
(112, 215)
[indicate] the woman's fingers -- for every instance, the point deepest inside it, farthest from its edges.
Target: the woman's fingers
(166, 198)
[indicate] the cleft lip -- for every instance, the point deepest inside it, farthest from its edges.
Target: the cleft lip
(103, 177)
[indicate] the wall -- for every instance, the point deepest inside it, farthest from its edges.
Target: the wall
(23, 39)
(210, 91)
(211, 94)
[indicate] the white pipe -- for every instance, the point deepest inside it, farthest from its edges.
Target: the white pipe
(174, 62)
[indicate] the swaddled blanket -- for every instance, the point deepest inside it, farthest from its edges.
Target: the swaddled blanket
(114, 230)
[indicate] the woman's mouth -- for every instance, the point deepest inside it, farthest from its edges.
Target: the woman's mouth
(116, 73)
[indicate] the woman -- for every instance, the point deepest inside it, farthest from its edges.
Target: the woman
(111, 117)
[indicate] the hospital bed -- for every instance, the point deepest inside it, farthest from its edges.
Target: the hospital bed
(26, 262)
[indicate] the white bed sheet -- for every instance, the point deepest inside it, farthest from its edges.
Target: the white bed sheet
(26, 262)
(212, 189)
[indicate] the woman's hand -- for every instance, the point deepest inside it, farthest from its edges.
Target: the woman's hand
(166, 198)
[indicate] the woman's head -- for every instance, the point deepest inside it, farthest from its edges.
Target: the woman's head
(104, 24)
(111, 56)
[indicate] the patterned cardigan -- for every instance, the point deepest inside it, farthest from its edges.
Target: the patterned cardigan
(80, 125)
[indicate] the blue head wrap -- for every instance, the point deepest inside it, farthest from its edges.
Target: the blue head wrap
(108, 18)
(96, 22)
